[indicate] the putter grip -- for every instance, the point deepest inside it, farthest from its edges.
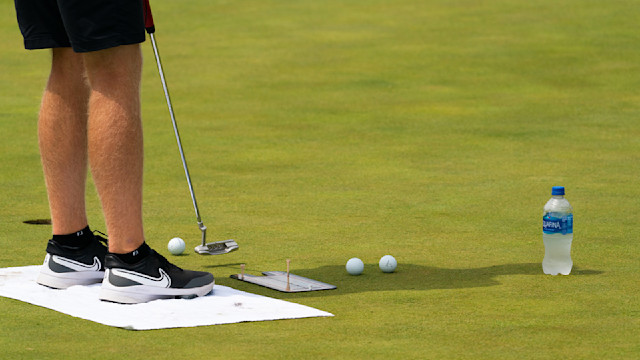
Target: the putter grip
(148, 17)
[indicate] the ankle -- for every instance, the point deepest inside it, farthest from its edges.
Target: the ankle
(78, 239)
(136, 255)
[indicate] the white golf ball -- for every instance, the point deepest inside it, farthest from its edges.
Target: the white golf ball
(176, 246)
(355, 266)
(388, 264)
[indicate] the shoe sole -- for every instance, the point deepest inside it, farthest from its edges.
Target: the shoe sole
(65, 280)
(137, 294)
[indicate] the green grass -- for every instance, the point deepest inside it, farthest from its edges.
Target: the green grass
(322, 130)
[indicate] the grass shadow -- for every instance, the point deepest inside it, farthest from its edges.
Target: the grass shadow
(406, 277)
(227, 265)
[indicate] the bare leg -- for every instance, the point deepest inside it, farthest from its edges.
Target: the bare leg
(115, 141)
(62, 137)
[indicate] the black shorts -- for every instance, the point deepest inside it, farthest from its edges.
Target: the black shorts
(84, 25)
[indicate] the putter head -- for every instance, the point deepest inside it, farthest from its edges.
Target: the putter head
(217, 248)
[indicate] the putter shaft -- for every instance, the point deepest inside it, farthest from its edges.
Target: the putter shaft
(201, 226)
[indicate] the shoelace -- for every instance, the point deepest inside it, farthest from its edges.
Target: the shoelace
(164, 261)
(103, 239)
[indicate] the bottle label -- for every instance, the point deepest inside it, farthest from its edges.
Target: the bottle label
(554, 223)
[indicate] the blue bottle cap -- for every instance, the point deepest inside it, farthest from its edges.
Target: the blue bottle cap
(557, 190)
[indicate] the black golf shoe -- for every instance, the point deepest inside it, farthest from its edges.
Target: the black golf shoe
(151, 278)
(65, 266)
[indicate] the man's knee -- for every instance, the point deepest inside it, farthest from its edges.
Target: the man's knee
(66, 62)
(121, 65)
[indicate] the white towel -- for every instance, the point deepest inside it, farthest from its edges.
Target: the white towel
(223, 306)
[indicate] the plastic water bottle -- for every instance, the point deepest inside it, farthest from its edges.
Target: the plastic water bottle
(557, 234)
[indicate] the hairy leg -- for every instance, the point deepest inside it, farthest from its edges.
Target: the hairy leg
(115, 141)
(62, 137)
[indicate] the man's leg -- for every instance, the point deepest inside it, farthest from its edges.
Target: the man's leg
(62, 134)
(115, 141)
(134, 273)
(74, 257)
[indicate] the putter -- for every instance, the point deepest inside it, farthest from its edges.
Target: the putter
(214, 248)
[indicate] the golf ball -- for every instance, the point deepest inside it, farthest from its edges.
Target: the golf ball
(388, 264)
(176, 246)
(355, 266)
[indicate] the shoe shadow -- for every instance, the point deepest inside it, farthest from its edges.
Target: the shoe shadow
(406, 277)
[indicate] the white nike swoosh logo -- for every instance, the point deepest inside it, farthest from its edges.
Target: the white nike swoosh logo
(75, 265)
(163, 281)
